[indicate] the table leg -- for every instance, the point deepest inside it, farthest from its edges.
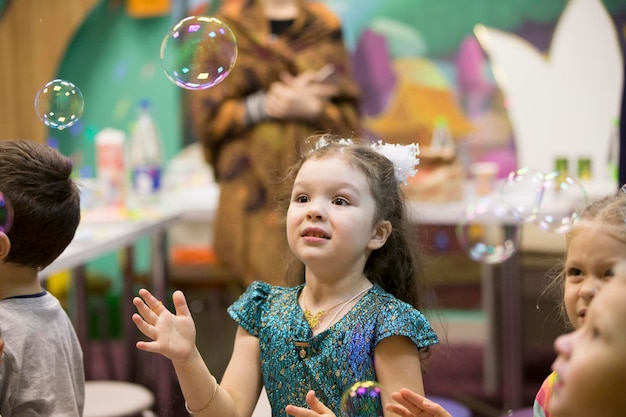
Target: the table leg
(491, 374)
(159, 289)
(512, 340)
(81, 314)
(129, 329)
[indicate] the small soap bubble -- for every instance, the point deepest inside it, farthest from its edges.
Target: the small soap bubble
(6, 214)
(489, 233)
(363, 399)
(59, 104)
(562, 201)
(523, 190)
(198, 52)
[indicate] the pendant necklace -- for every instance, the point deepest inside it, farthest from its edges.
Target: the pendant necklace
(314, 319)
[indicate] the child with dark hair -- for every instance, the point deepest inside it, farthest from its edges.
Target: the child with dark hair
(353, 317)
(41, 373)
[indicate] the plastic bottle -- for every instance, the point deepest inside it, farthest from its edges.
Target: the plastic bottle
(110, 168)
(442, 137)
(145, 158)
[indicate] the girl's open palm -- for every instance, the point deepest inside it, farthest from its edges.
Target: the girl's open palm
(173, 336)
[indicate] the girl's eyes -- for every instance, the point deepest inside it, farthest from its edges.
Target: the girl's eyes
(574, 272)
(340, 201)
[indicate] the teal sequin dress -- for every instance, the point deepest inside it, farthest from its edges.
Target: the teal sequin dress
(293, 361)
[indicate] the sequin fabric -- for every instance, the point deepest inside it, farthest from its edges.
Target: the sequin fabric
(294, 361)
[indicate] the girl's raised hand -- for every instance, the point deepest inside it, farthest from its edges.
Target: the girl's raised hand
(411, 404)
(317, 409)
(173, 336)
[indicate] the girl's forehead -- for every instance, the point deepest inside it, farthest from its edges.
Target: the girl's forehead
(330, 161)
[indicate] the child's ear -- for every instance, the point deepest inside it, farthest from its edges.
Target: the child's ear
(381, 233)
(5, 245)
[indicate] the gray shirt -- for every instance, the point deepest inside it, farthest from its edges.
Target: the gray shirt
(42, 364)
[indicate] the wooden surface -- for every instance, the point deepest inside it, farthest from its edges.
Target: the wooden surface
(34, 35)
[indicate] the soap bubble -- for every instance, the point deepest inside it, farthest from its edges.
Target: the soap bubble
(6, 214)
(59, 104)
(363, 399)
(198, 52)
(490, 231)
(523, 190)
(563, 199)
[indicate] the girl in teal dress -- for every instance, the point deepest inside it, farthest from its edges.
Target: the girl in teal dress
(352, 317)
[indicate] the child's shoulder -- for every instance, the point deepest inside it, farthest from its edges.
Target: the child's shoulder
(388, 299)
(261, 290)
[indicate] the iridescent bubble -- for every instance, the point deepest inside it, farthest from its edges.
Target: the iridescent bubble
(6, 214)
(363, 399)
(563, 199)
(490, 231)
(523, 190)
(198, 52)
(59, 104)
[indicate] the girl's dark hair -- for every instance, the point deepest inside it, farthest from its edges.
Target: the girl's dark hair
(396, 266)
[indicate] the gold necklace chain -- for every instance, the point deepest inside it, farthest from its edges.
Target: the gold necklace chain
(314, 319)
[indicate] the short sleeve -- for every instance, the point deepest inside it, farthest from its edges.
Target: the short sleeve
(540, 406)
(247, 311)
(401, 319)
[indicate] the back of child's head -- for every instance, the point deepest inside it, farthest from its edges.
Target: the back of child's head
(35, 179)
(396, 265)
(607, 216)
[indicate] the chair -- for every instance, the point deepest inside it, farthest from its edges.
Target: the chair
(117, 399)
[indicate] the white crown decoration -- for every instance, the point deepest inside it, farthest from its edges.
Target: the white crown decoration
(564, 102)
(403, 157)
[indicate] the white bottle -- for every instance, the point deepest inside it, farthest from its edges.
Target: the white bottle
(442, 137)
(145, 158)
(110, 168)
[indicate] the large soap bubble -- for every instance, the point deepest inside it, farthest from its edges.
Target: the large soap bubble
(59, 104)
(198, 52)
(562, 201)
(523, 190)
(490, 231)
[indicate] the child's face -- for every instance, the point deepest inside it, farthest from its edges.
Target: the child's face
(331, 215)
(591, 365)
(591, 255)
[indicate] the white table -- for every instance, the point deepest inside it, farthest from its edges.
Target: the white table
(95, 238)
